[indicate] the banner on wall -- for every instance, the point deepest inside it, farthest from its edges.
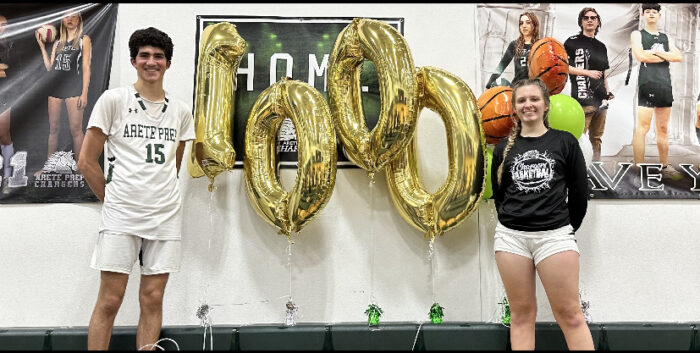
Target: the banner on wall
(614, 175)
(49, 54)
(296, 47)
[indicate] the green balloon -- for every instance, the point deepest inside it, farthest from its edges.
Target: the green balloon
(488, 191)
(565, 113)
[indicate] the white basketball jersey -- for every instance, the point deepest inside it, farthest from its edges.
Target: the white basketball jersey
(141, 192)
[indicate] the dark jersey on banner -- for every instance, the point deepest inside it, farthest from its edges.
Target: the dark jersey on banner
(591, 54)
(66, 74)
(538, 174)
(7, 93)
(520, 64)
(655, 73)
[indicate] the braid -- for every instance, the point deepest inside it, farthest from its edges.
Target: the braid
(514, 132)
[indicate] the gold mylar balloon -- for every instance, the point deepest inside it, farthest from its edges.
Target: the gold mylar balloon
(387, 49)
(220, 54)
(316, 149)
(437, 213)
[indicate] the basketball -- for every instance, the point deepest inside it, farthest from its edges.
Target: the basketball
(549, 62)
(47, 33)
(496, 113)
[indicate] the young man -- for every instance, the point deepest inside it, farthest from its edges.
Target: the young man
(145, 131)
(588, 60)
(654, 50)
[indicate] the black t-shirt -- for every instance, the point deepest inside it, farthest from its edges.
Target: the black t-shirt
(538, 175)
(8, 89)
(591, 54)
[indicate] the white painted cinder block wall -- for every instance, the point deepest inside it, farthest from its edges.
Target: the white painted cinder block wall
(638, 264)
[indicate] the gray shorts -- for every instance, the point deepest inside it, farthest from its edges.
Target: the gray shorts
(118, 252)
(534, 245)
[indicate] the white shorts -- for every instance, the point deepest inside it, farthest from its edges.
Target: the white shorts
(117, 252)
(534, 245)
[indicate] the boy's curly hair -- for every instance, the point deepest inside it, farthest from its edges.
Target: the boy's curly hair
(153, 37)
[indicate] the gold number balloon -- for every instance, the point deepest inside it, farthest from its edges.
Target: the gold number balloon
(220, 54)
(316, 148)
(388, 50)
(437, 213)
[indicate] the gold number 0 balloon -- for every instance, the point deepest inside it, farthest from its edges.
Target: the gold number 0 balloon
(316, 143)
(387, 49)
(437, 213)
(220, 54)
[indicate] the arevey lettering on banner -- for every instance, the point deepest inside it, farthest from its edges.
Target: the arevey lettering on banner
(55, 61)
(293, 47)
(632, 69)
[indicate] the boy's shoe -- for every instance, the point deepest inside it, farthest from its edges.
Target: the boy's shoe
(669, 172)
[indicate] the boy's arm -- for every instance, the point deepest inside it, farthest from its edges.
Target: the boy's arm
(672, 55)
(89, 165)
(640, 54)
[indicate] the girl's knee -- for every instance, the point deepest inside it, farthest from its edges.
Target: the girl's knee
(569, 317)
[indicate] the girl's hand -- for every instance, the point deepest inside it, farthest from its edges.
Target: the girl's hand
(38, 39)
(82, 101)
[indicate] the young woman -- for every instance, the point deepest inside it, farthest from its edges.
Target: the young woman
(69, 66)
(534, 170)
(529, 28)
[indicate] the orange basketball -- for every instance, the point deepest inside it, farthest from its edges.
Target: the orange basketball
(496, 113)
(549, 62)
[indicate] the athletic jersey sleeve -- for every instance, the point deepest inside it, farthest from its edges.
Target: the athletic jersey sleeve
(570, 50)
(496, 160)
(186, 125)
(606, 63)
(577, 184)
(104, 111)
(505, 60)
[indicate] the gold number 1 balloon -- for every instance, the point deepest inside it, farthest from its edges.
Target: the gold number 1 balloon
(316, 148)
(220, 54)
(387, 49)
(437, 213)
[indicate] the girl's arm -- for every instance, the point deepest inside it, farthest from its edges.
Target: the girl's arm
(87, 57)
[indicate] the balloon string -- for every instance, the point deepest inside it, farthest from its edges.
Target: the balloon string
(289, 264)
(211, 226)
(433, 266)
(481, 269)
(371, 237)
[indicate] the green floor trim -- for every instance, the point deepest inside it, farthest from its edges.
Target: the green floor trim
(360, 336)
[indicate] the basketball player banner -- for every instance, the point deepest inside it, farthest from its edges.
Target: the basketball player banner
(52, 51)
(646, 102)
(296, 47)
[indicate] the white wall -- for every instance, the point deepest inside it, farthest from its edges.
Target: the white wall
(638, 258)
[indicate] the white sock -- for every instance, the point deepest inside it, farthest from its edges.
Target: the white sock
(7, 152)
